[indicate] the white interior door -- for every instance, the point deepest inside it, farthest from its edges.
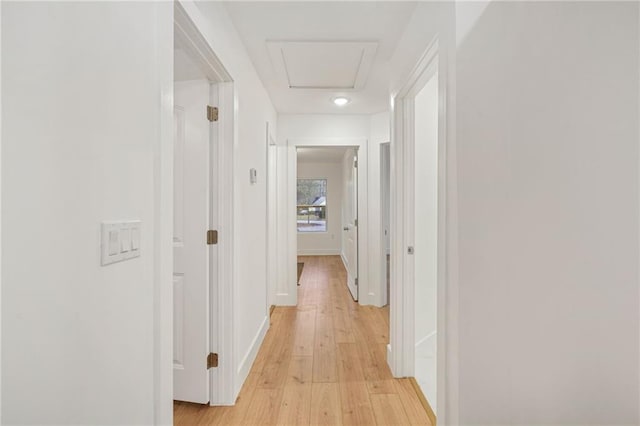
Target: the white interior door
(190, 251)
(350, 220)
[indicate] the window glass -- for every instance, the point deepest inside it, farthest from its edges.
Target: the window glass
(312, 205)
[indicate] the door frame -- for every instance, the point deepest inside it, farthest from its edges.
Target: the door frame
(356, 166)
(385, 199)
(0, 215)
(287, 289)
(221, 325)
(401, 350)
(271, 221)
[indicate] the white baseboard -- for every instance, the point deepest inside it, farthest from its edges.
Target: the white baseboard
(318, 252)
(284, 299)
(374, 300)
(344, 261)
(245, 365)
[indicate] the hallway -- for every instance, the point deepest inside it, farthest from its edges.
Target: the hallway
(322, 362)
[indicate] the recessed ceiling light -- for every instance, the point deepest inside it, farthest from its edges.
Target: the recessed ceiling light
(341, 101)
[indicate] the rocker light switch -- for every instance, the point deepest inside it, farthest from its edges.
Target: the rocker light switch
(125, 240)
(113, 242)
(120, 241)
(135, 239)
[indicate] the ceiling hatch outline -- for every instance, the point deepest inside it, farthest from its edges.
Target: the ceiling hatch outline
(322, 65)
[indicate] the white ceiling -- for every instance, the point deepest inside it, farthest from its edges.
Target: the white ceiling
(332, 65)
(331, 154)
(343, 47)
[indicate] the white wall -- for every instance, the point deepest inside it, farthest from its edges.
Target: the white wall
(78, 338)
(542, 136)
(324, 243)
(63, 63)
(426, 238)
(253, 111)
(319, 126)
(547, 134)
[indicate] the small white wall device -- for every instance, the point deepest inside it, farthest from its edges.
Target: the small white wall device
(120, 241)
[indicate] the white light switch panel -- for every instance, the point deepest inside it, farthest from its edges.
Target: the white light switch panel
(120, 241)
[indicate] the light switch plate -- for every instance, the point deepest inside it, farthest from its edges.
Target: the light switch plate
(120, 241)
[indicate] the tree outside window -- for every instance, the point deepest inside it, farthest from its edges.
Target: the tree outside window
(312, 205)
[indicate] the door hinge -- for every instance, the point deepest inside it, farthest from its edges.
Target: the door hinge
(355, 164)
(212, 113)
(212, 237)
(212, 360)
(356, 222)
(356, 282)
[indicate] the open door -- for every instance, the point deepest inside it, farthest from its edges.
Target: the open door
(350, 220)
(190, 250)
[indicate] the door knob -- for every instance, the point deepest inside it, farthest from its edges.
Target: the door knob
(346, 228)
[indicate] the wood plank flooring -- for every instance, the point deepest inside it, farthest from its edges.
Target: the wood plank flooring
(321, 363)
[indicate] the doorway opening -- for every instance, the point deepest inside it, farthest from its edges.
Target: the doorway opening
(419, 229)
(200, 164)
(327, 207)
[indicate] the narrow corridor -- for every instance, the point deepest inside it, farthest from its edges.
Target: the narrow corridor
(322, 362)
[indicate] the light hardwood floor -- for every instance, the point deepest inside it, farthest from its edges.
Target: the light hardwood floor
(321, 363)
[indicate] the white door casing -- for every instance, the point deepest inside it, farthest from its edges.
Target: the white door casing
(385, 222)
(191, 253)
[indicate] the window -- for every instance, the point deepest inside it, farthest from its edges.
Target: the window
(312, 205)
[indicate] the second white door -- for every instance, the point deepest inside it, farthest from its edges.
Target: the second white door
(350, 219)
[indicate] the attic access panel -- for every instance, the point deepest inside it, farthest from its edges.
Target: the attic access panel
(331, 65)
